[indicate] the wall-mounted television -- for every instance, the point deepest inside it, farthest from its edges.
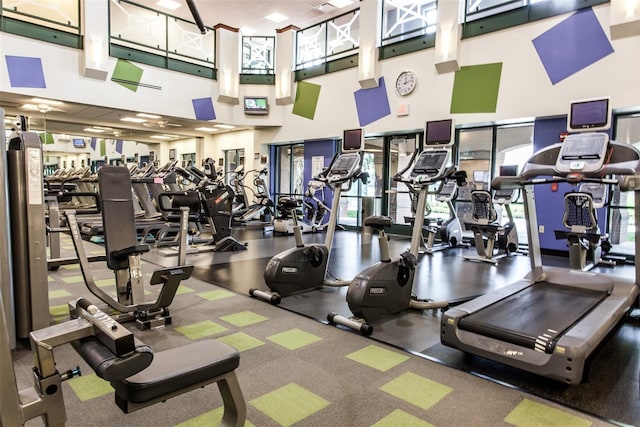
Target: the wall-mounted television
(258, 105)
(353, 140)
(438, 132)
(589, 115)
(79, 143)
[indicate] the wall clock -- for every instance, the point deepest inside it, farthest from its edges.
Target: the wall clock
(406, 82)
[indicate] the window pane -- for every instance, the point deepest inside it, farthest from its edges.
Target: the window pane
(475, 159)
(404, 19)
(401, 150)
(284, 170)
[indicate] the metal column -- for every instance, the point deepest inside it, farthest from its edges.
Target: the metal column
(28, 245)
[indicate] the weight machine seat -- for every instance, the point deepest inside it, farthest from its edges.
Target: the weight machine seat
(106, 364)
(378, 222)
(141, 377)
(178, 370)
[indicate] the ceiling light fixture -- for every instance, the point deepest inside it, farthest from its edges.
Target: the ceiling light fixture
(225, 126)
(168, 4)
(206, 129)
(132, 120)
(148, 116)
(94, 130)
(164, 136)
(46, 101)
(276, 17)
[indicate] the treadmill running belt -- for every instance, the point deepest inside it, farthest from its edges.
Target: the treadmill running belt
(534, 317)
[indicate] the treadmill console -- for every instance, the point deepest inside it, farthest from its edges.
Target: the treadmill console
(583, 152)
(429, 165)
(344, 168)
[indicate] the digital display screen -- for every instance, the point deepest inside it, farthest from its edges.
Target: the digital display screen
(430, 162)
(352, 140)
(256, 105)
(78, 143)
(438, 132)
(509, 170)
(589, 115)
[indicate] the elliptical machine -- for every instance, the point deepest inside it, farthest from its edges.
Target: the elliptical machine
(386, 287)
(304, 267)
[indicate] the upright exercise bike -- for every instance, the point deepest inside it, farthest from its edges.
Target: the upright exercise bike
(304, 267)
(387, 287)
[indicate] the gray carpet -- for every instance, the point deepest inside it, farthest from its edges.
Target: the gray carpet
(293, 371)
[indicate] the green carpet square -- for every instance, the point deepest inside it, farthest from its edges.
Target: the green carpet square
(60, 293)
(529, 414)
(182, 289)
(289, 404)
(244, 318)
(89, 387)
(211, 418)
(70, 267)
(50, 279)
(294, 339)
(401, 418)
(201, 329)
(417, 390)
(106, 282)
(73, 279)
(378, 358)
(216, 294)
(59, 310)
(241, 341)
(97, 252)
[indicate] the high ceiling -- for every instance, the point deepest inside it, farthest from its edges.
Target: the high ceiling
(251, 13)
(73, 119)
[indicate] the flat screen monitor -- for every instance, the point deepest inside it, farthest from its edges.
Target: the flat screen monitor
(353, 140)
(438, 132)
(589, 115)
(258, 105)
(78, 143)
(509, 170)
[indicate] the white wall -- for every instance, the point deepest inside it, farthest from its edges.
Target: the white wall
(525, 89)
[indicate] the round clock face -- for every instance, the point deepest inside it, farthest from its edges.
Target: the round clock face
(406, 82)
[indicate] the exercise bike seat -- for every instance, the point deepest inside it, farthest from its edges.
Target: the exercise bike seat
(378, 222)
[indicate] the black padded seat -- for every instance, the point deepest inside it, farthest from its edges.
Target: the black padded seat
(178, 369)
(107, 365)
(378, 222)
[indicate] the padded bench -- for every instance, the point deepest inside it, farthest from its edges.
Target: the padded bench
(168, 373)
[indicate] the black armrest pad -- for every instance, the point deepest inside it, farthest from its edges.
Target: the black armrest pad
(107, 365)
(178, 368)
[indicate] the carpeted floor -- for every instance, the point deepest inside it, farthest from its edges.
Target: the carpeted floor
(293, 370)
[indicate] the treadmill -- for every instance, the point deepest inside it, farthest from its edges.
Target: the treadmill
(552, 320)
